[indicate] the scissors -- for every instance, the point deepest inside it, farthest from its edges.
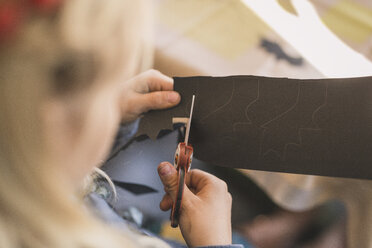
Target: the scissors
(182, 163)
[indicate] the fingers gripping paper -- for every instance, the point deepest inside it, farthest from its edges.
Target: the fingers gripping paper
(317, 127)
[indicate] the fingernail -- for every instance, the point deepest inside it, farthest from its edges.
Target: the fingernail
(173, 97)
(164, 170)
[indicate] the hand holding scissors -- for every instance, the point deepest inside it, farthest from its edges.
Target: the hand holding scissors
(200, 203)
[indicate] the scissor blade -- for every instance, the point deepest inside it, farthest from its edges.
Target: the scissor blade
(189, 121)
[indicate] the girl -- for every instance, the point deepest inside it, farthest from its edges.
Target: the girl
(64, 89)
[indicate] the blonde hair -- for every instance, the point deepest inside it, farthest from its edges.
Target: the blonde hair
(37, 209)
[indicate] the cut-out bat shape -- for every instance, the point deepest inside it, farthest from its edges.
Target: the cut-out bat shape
(135, 188)
(318, 126)
(277, 50)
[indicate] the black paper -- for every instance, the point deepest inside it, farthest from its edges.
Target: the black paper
(318, 126)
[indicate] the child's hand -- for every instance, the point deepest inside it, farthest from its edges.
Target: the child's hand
(149, 90)
(206, 206)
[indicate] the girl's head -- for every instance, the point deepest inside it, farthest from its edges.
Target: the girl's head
(61, 65)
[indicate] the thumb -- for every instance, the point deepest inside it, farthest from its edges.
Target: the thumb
(156, 100)
(169, 177)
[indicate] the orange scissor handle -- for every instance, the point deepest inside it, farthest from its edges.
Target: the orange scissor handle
(182, 162)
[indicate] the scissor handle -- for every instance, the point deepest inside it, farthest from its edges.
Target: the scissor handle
(176, 208)
(182, 162)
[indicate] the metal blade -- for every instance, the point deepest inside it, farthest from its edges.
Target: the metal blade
(189, 121)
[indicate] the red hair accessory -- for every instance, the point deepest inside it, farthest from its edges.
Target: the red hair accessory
(45, 5)
(12, 14)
